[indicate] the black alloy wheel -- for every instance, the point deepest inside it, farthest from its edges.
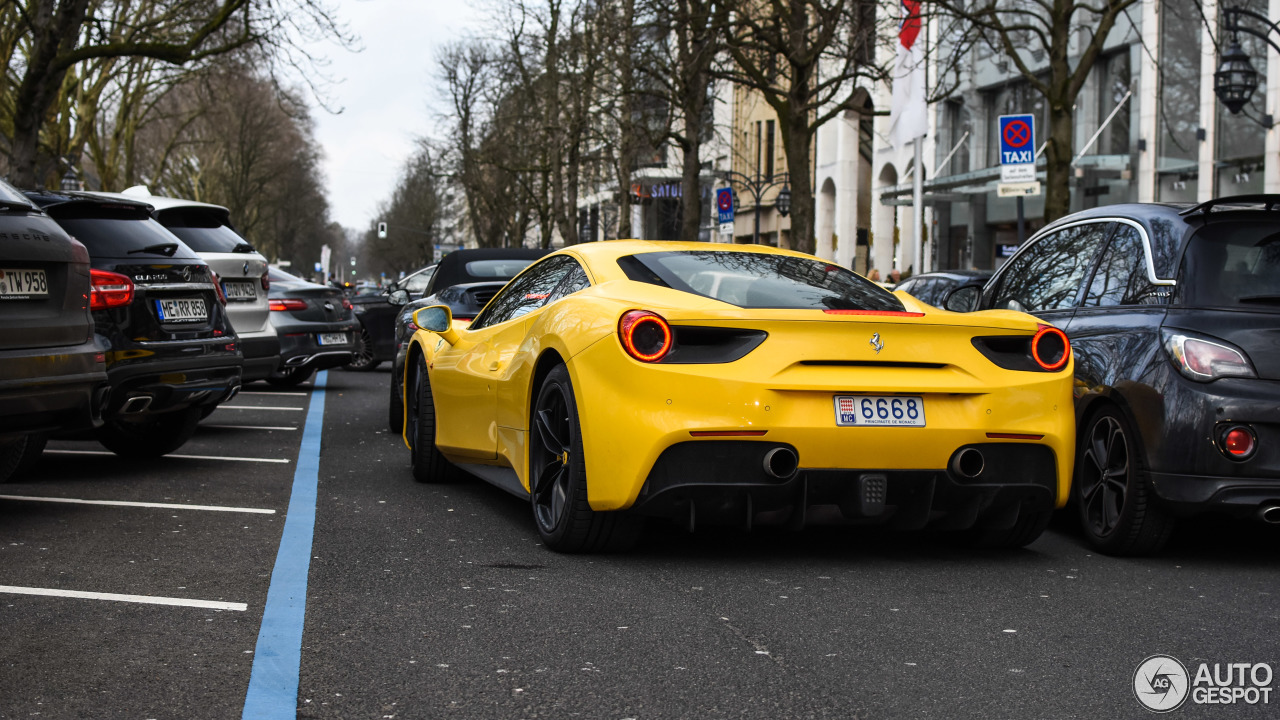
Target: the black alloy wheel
(362, 357)
(395, 403)
(1113, 495)
(290, 376)
(558, 478)
(429, 465)
(149, 435)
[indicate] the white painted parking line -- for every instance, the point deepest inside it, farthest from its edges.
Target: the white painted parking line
(184, 457)
(285, 394)
(255, 407)
(123, 503)
(146, 599)
(249, 427)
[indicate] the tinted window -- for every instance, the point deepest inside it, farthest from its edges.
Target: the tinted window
(759, 280)
(1048, 275)
(496, 269)
(123, 238)
(221, 239)
(1233, 265)
(1121, 277)
(526, 293)
(10, 194)
(573, 282)
(417, 282)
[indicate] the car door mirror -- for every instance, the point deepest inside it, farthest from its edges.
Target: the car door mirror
(963, 300)
(437, 319)
(398, 297)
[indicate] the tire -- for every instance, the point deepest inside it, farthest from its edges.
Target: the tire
(429, 466)
(1112, 493)
(31, 455)
(395, 403)
(11, 452)
(149, 436)
(558, 478)
(1029, 526)
(290, 377)
(362, 359)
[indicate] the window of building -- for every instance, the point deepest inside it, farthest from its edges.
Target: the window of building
(768, 150)
(1177, 144)
(1241, 139)
(1116, 79)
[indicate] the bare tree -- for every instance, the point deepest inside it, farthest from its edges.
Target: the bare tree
(804, 58)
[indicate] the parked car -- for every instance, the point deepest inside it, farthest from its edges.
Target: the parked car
(375, 342)
(453, 283)
(934, 287)
(207, 230)
(706, 383)
(53, 373)
(316, 325)
(170, 349)
(1174, 316)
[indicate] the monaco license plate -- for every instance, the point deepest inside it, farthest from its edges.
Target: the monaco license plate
(239, 290)
(879, 410)
(182, 310)
(333, 338)
(18, 284)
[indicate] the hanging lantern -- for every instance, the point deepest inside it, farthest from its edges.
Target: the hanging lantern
(1235, 79)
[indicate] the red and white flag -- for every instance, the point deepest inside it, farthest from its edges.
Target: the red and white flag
(908, 118)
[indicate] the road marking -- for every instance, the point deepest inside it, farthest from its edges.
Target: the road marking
(261, 392)
(255, 407)
(122, 503)
(145, 599)
(277, 658)
(250, 427)
(183, 457)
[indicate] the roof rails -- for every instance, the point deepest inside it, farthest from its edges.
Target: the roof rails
(1270, 201)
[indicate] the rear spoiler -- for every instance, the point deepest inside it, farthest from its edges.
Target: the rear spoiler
(1270, 202)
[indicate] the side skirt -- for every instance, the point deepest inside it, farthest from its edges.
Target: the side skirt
(501, 477)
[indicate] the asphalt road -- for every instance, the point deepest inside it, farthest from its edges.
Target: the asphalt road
(428, 601)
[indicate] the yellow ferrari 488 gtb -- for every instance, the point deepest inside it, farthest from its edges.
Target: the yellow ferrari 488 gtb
(614, 381)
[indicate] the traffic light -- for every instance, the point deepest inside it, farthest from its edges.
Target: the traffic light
(382, 231)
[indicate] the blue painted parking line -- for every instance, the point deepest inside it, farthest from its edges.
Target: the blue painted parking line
(277, 659)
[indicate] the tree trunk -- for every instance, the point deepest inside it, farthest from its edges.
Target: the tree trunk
(1057, 193)
(799, 145)
(691, 167)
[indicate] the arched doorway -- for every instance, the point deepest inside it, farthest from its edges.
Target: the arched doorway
(884, 220)
(826, 220)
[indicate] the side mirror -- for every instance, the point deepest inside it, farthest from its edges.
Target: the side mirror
(437, 319)
(963, 300)
(398, 297)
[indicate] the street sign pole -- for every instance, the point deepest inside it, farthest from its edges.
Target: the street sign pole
(1022, 223)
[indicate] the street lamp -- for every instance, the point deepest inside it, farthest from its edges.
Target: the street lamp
(1236, 79)
(758, 186)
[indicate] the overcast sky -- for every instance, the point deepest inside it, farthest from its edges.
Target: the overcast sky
(388, 96)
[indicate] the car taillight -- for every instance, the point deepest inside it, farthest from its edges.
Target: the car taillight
(266, 282)
(108, 290)
(646, 336)
(346, 303)
(1239, 442)
(217, 288)
(1050, 348)
(1203, 360)
(288, 304)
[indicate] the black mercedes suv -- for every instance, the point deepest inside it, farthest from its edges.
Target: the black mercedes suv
(1174, 316)
(52, 370)
(170, 349)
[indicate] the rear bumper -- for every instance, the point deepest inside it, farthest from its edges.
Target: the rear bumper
(303, 349)
(1188, 494)
(724, 482)
(261, 355)
(172, 384)
(52, 389)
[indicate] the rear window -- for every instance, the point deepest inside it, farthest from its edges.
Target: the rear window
(759, 280)
(496, 269)
(1233, 265)
(124, 237)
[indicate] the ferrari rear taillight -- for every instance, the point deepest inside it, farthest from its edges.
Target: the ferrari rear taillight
(1050, 348)
(645, 335)
(288, 304)
(108, 290)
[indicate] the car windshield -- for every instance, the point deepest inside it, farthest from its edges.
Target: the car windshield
(497, 269)
(1233, 265)
(759, 280)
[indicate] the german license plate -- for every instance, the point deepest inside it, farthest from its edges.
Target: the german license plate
(17, 284)
(182, 310)
(239, 290)
(879, 410)
(333, 338)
